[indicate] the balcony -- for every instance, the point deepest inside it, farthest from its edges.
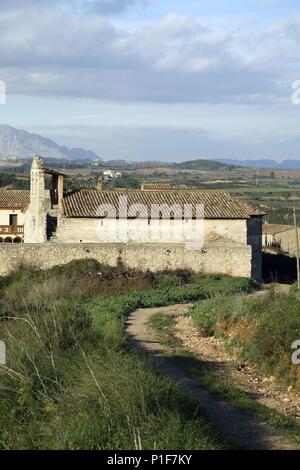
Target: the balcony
(12, 230)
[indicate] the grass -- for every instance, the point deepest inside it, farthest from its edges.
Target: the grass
(163, 325)
(217, 382)
(72, 381)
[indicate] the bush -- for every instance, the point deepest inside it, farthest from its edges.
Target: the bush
(264, 326)
(278, 328)
(219, 314)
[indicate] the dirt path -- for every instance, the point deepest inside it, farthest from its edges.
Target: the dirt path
(211, 350)
(230, 421)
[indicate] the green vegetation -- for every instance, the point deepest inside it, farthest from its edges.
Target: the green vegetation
(72, 381)
(11, 180)
(124, 182)
(204, 164)
(264, 327)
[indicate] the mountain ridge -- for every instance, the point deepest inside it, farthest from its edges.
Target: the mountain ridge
(21, 144)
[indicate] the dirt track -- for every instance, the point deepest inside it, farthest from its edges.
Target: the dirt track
(230, 421)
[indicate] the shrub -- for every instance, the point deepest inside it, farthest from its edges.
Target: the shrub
(278, 328)
(264, 326)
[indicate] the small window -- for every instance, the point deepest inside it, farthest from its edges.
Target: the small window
(13, 219)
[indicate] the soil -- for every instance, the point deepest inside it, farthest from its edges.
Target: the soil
(266, 390)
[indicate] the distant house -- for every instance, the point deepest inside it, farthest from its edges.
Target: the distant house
(13, 205)
(112, 174)
(280, 237)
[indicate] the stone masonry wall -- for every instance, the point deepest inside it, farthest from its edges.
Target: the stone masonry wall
(229, 259)
(88, 230)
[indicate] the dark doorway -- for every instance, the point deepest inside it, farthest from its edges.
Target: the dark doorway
(51, 226)
(13, 219)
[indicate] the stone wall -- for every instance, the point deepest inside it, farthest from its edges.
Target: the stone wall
(232, 259)
(91, 230)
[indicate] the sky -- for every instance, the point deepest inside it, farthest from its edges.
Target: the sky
(167, 80)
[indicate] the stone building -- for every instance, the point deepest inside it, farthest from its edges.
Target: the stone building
(281, 238)
(213, 224)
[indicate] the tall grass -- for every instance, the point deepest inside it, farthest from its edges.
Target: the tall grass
(71, 380)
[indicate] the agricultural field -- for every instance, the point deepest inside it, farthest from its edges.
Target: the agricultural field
(275, 192)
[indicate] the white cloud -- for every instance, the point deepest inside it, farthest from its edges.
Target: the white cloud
(178, 59)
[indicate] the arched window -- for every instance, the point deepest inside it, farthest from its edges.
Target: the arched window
(1, 240)
(8, 240)
(17, 240)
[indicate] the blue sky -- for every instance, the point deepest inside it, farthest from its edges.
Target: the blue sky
(154, 79)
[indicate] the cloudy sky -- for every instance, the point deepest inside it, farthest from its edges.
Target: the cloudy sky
(155, 79)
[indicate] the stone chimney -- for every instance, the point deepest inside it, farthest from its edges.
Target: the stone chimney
(36, 214)
(100, 183)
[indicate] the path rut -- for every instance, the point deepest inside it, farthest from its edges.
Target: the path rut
(230, 421)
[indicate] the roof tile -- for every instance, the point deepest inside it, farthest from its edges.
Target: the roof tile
(217, 204)
(14, 199)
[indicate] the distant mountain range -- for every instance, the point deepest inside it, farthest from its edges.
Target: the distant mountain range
(17, 143)
(263, 163)
(20, 144)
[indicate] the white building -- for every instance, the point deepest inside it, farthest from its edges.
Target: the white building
(13, 205)
(112, 174)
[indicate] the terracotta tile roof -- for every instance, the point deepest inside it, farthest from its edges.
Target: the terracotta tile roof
(217, 204)
(156, 187)
(272, 229)
(14, 199)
